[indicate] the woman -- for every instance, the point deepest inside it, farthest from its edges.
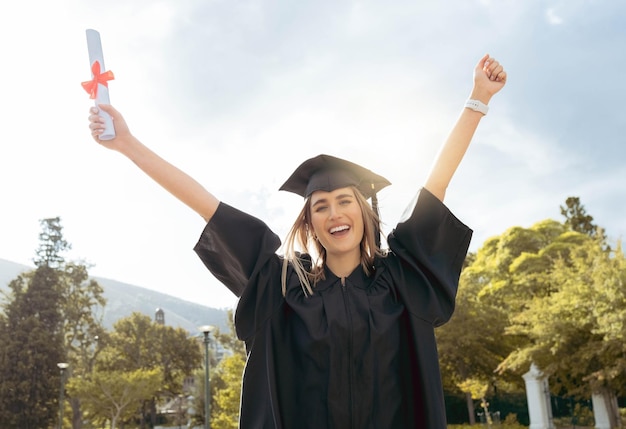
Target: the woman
(342, 335)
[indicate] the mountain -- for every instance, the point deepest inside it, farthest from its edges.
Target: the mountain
(124, 299)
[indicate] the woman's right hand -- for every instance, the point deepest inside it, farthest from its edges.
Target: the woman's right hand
(96, 125)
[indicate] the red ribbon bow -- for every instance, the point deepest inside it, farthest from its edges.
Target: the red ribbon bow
(91, 86)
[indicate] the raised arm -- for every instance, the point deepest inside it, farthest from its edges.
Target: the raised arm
(489, 78)
(174, 180)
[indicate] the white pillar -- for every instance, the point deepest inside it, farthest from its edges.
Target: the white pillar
(538, 397)
(605, 410)
(600, 412)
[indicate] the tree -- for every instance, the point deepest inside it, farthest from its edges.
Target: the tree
(477, 389)
(33, 346)
(496, 283)
(225, 381)
(471, 344)
(229, 339)
(51, 317)
(30, 382)
(51, 243)
(576, 334)
(138, 343)
(499, 282)
(81, 312)
(577, 219)
(560, 288)
(115, 396)
(227, 393)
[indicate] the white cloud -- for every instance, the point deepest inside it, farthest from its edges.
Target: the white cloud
(553, 17)
(534, 153)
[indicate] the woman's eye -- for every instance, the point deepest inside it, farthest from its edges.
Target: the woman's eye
(344, 202)
(320, 208)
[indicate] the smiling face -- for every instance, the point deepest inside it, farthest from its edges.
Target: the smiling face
(337, 221)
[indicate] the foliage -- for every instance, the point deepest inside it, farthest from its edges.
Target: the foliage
(33, 340)
(581, 416)
(115, 396)
(477, 388)
(500, 426)
(576, 333)
(496, 283)
(81, 313)
(139, 343)
(475, 326)
(229, 339)
(51, 244)
(51, 317)
(225, 381)
(577, 219)
(227, 378)
(137, 347)
(553, 294)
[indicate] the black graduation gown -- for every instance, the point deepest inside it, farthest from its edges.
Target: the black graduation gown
(356, 354)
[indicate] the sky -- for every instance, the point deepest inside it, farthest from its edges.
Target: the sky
(238, 93)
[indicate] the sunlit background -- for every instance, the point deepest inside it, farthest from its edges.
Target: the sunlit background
(238, 93)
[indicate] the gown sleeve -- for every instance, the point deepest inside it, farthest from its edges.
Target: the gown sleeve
(234, 246)
(431, 245)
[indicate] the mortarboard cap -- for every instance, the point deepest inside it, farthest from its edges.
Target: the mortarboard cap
(327, 173)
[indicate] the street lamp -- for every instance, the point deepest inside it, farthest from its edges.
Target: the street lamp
(180, 410)
(206, 330)
(62, 367)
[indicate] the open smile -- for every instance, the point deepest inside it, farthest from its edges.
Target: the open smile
(339, 230)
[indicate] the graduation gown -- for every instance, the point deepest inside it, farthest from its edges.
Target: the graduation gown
(360, 352)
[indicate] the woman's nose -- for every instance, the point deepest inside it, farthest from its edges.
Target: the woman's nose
(334, 211)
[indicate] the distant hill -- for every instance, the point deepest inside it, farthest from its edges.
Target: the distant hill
(124, 299)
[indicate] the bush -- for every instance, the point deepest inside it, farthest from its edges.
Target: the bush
(500, 426)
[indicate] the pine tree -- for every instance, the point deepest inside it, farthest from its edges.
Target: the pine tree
(33, 339)
(576, 217)
(51, 243)
(33, 347)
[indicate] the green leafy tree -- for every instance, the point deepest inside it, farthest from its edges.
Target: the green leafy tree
(33, 325)
(576, 333)
(81, 311)
(577, 219)
(477, 389)
(470, 344)
(139, 343)
(225, 380)
(229, 338)
(505, 276)
(559, 289)
(56, 307)
(51, 244)
(552, 294)
(226, 384)
(115, 396)
(227, 394)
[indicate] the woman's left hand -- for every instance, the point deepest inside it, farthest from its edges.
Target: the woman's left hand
(489, 77)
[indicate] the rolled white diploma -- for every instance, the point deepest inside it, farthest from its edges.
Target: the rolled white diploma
(94, 47)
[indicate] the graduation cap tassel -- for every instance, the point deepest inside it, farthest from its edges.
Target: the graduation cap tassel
(377, 231)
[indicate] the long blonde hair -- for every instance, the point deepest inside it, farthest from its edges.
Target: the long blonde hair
(301, 236)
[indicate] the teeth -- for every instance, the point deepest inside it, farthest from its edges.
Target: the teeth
(338, 228)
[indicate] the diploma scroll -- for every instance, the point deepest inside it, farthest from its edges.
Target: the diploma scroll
(101, 92)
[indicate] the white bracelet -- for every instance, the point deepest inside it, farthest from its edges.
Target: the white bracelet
(477, 106)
